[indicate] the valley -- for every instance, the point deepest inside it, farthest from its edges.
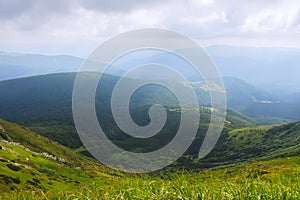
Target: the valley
(154, 100)
(46, 155)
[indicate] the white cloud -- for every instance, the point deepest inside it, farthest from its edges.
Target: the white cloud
(75, 27)
(271, 20)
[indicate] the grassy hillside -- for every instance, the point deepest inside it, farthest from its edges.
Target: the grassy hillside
(252, 143)
(276, 179)
(34, 167)
(31, 162)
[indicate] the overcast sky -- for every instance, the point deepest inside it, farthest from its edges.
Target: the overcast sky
(76, 27)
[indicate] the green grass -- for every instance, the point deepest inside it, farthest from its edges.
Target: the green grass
(24, 167)
(28, 175)
(256, 143)
(277, 179)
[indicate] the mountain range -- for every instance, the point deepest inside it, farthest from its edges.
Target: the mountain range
(273, 69)
(42, 156)
(44, 104)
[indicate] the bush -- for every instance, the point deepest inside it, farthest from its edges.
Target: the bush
(13, 167)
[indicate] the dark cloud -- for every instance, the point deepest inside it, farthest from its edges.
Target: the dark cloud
(11, 9)
(14, 8)
(30, 14)
(118, 5)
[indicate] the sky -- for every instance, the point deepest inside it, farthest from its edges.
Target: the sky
(76, 27)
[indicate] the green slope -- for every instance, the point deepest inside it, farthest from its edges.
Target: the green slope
(30, 161)
(265, 142)
(26, 173)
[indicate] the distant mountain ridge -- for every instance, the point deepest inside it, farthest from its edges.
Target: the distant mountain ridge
(13, 65)
(273, 69)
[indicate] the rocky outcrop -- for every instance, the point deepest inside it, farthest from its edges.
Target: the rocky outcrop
(2, 129)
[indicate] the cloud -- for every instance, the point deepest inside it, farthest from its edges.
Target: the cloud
(60, 25)
(14, 8)
(116, 6)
